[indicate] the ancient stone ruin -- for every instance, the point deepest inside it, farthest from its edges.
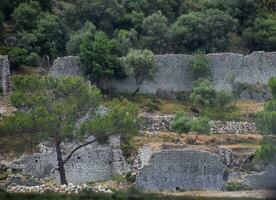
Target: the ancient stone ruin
(172, 75)
(69, 65)
(92, 163)
(182, 169)
(5, 75)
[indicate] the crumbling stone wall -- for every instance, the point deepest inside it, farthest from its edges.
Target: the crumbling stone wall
(5, 75)
(68, 65)
(172, 75)
(92, 163)
(182, 169)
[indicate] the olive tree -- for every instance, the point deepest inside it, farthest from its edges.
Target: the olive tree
(141, 65)
(57, 110)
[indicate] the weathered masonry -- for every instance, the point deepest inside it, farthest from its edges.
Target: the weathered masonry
(172, 75)
(182, 169)
(91, 163)
(5, 75)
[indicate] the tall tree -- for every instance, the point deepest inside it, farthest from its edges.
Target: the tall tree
(98, 57)
(156, 33)
(57, 109)
(105, 14)
(26, 15)
(262, 35)
(88, 31)
(208, 31)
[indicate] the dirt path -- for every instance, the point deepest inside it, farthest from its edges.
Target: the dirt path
(256, 194)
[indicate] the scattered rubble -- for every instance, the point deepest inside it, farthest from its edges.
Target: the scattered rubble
(233, 127)
(16, 183)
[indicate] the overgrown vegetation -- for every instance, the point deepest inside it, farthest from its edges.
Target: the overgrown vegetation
(175, 26)
(66, 108)
(266, 123)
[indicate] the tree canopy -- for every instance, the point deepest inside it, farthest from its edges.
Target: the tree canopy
(57, 109)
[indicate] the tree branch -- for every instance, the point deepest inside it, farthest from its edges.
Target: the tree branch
(77, 148)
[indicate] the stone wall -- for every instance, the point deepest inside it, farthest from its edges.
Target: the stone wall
(92, 163)
(69, 65)
(172, 75)
(155, 123)
(5, 75)
(182, 169)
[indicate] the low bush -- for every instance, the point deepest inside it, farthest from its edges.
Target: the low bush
(203, 93)
(183, 123)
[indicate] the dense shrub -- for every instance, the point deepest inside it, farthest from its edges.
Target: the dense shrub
(184, 123)
(17, 56)
(203, 93)
(97, 56)
(33, 59)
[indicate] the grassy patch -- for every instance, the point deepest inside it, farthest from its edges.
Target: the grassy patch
(150, 103)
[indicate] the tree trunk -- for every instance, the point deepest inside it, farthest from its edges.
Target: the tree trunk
(135, 92)
(60, 164)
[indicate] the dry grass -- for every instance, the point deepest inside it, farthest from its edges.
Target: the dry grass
(174, 140)
(249, 106)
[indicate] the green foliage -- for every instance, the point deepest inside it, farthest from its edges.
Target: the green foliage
(50, 34)
(1, 25)
(266, 153)
(208, 31)
(7, 7)
(261, 35)
(17, 56)
(103, 13)
(33, 59)
(141, 65)
(155, 33)
(98, 57)
(203, 93)
(126, 40)
(183, 124)
(234, 186)
(266, 120)
(223, 99)
(77, 37)
(199, 66)
(48, 100)
(272, 86)
(121, 118)
(25, 15)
